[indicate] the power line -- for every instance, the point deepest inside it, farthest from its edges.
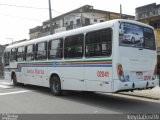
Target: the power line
(35, 8)
(22, 6)
(38, 8)
(7, 15)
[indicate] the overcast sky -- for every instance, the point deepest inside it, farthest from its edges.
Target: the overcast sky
(18, 16)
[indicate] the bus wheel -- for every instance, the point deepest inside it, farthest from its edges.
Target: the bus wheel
(55, 86)
(14, 78)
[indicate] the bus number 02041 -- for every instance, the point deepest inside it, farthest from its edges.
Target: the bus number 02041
(102, 74)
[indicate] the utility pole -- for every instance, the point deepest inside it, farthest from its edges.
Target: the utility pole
(81, 20)
(120, 11)
(50, 17)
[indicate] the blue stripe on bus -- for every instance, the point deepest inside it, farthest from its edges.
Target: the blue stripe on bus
(85, 66)
(65, 66)
(73, 66)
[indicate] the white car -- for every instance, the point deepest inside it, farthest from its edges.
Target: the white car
(132, 37)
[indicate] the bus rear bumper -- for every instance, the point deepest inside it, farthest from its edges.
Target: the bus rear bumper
(133, 85)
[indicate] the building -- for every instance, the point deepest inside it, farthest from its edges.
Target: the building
(150, 14)
(83, 16)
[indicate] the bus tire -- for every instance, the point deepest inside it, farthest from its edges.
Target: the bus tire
(55, 85)
(14, 78)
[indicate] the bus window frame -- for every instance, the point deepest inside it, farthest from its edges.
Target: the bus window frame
(22, 54)
(14, 55)
(45, 51)
(30, 53)
(82, 45)
(111, 31)
(4, 57)
(50, 49)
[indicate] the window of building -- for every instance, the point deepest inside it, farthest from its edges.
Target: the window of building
(41, 51)
(71, 22)
(101, 20)
(87, 21)
(29, 52)
(78, 22)
(95, 20)
(99, 43)
(20, 54)
(73, 46)
(155, 24)
(6, 58)
(13, 54)
(55, 49)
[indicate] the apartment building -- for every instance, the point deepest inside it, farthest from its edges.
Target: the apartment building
(83, 16)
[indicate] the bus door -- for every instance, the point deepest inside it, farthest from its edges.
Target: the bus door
(72, 68)
(72, 75)
(98, 63)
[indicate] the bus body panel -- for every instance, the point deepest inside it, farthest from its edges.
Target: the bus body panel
(140, 66)
(99, 77)
(72, 74)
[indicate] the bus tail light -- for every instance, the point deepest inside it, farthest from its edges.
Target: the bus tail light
(155, 73)
(120, 72)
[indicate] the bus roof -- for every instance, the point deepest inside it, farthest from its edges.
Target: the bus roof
(75, 31)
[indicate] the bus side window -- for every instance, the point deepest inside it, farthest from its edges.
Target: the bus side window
(99, 43)
(20, 54)
(73, 46)
(55, 49)
(41, 51)
(6, 58)
(13, 54)
(30, 52)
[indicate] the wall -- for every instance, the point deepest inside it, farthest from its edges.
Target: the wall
(147, 11)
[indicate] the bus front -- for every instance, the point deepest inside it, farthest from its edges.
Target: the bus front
(135, 57)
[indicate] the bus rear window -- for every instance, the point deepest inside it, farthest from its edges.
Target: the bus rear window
(131, 35)
(149, 39)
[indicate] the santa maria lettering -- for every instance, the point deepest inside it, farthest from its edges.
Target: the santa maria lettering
(35, 71)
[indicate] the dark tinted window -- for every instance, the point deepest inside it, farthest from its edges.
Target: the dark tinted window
(6, 58)
(149, 40)
(78, 22)
(29, 52)
(20, 53)
(99, 43)
(73, 46)
(13, 54)
(41, 51)
(55, 49)
(87, 21)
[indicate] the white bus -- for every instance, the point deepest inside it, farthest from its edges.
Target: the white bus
(112, 56)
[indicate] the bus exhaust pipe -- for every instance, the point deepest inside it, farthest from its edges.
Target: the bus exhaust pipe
(147, 84)
(133, 85)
